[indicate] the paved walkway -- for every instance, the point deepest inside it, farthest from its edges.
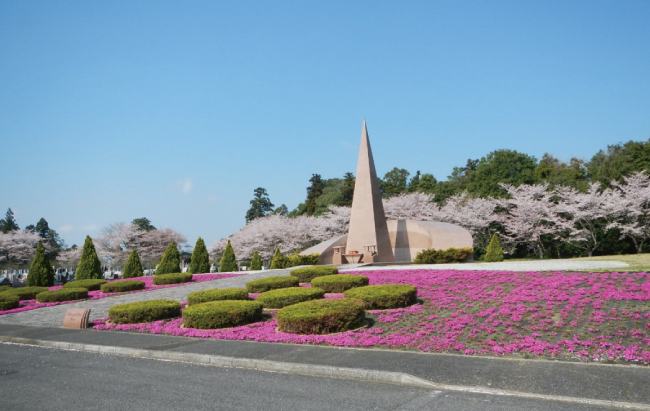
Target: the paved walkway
(540, 265)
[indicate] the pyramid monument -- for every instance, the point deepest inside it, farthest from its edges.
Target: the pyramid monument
(373, 239)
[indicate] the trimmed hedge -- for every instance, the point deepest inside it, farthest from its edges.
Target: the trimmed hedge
(9, 302)
(5, 288)
(122, 286)
(306, 274)
(176, 278)
(205, 296)
(338, 283)
(63, 294)
(382, 297)
(289, 296)
(221, 314)
(90, 284)
(26, 293)
(271, 283)
(321, 316)
(450, 255)
(144, 311)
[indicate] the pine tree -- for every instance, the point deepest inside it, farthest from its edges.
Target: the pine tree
(171, 261)
(228, 260)
(9, 223)
(494, 251)
(41, 273)
(200, 262)
(256, 262)
(133, 267)
(89, 266)
(278, 260)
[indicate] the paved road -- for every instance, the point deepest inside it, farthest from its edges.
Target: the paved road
(36, 378)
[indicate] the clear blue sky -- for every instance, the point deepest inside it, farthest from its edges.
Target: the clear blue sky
(177, 111)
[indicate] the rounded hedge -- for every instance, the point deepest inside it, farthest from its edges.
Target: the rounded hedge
(339, 282)
(90, 284)
(122, 286)
(382, 297)
(221, 314)
(9, 302)
(205, 296)
(289, 296)
(271, 283)
(63, 294)
(25, 293)
(144, 311)
(5, 288)
(306, 274)
(321, 316)
(176, 278)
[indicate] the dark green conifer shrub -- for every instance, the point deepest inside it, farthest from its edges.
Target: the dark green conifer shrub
(171, 261)
(220, 314)
(9, 302)
(288, 296)
(339, 282)
(200, 262)
(144, 311)
(306, 274)
(63, 294)
(228, 260)
(205, 296)
(41, 273)
(271, 283)
(278, 260)
(494, 251)
(175, 278)
(89, 266)
(450, 255)
(384, 297)
(133, 266)
(90, 285)
(321, 316)
(256, 262)
(122, 286)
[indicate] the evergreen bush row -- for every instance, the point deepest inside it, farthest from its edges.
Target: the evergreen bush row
(306, 274)
(175, 278)
(271, 283)
(5, 288)
(9, 302)
(450, 255)
(283, 261)
(289, 296)
(383, 297)
(220, 314)
(25, 293)
(339, 282)
(205, 296)
(321, 316)
(122, 286)
(63, 294)
(144, 311)
(90, 285)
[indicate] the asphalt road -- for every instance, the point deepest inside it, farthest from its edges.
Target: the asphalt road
(33, 378)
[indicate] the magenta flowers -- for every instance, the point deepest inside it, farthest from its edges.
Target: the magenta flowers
(586, 316)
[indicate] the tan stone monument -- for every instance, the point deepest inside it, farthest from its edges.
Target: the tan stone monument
(372, 239)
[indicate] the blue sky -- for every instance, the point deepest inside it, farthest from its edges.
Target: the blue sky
(176, 111)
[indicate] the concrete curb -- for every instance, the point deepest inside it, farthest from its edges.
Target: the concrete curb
(371, 376)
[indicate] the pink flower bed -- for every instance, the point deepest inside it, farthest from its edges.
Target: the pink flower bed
(27, 305)
(588, 316)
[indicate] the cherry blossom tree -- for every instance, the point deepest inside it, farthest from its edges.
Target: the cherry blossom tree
(412, 206)
(529, 215)
(19, 246)
(476, 215)
(581, 216)
(631, 208)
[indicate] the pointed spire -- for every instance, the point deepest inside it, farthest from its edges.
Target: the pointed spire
(367, 219)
